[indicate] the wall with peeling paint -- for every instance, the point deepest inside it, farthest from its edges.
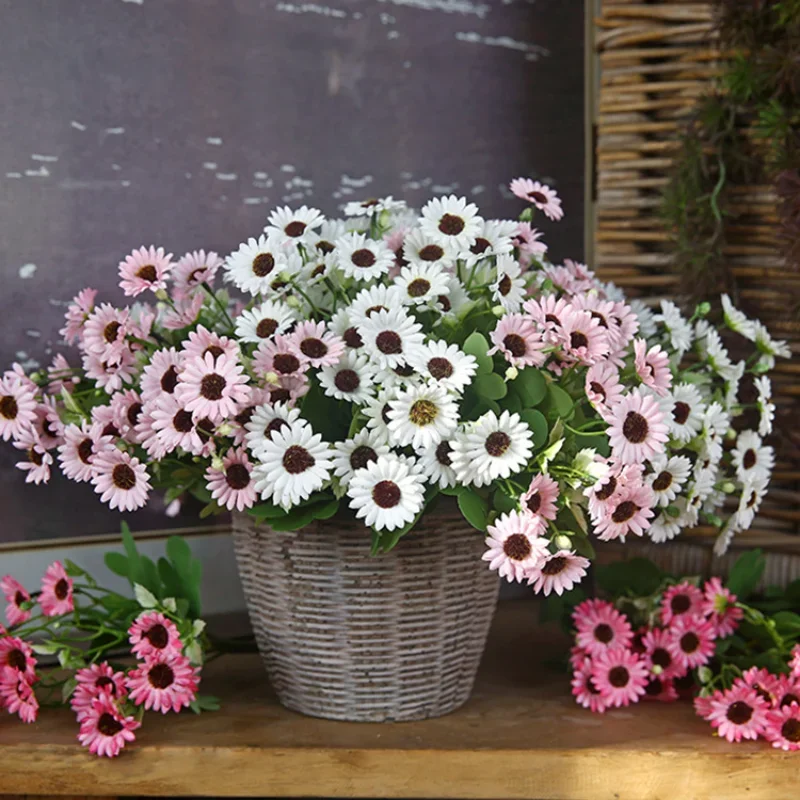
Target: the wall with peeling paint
(181, 122)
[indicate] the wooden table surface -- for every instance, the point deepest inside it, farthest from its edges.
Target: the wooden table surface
(520, 736)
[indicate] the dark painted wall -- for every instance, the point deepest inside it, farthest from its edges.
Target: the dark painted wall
(181, 122)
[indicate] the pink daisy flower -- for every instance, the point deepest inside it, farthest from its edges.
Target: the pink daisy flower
(767, 685)
(526, 240)
(637, 430)
(77, 313)
(105, 730)
(794, 663)
(559, 573)
(16, 694)
(212, 387)
(110, 377)
(56, 597)
(167, 682)
(232, 486)
(682, 599)
(738, 713)
(515, 545)
(105, 331)
(577, 657)
(692, 640)
(540, 195)
(549, 313)
(584, 690)
(600, 627)
(658, 655)
(203, 342)
(519, 340)
(540, 499)
(15, 595)
(627, 511)
(93, 681)
(603, 387)
(146, 433)
(783, 728)
(47, 425)
(256, 398)
(719, 606)
(60, 375)
(38, 463)
(787, 691)
(145, 268)
(620, 676)
(17, 407)
(280, 357)
(160, 376)
(175, 427)
(702, 704)
(582, 338)
(153, 636)
(661, 689)
(628, 322)
(103, 418)
(652, 367)
(126, 407)
(121, 480)
(312, 342)
(186, 312)
(193, 270)
(16, 654)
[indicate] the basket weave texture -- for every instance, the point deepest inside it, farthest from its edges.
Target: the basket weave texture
(347, 636)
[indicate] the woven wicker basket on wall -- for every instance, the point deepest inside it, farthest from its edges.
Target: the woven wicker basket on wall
(652, 62)
(347, 636)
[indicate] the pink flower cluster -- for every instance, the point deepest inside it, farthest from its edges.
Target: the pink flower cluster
(613, 665)
(17, 677)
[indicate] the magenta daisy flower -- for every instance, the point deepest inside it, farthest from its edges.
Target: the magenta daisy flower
(153, 636)
(657, 647)
(212, 387)
(166, 682)
(314, 343)
(628, 511)
(719, 605)
(15, 595)
(38, 462)
(17, 696)
(692, 640)
(519, 340)
(160, 376)
(578, 657)
(17, 654)
(203, 342)
(787, 691)
(121, 480)
(584, 690)
(767, 685)
(56, 597)
(559, 573)
(93, 681)
(603, 387)
(105, 331)
(683, 598)
(515, 545)
(620, 676)
(582, 338)
(539, 195)
(17, 407)
(232, 486)
(145, 268)
(540, 499)
(652, 367)
(637, 431)
(600, 626)
(105, 730)
(738, 713)
(280, 357)
(193, 270)
(77, 313)
(660, 689)
(783, 728)
(794, 663)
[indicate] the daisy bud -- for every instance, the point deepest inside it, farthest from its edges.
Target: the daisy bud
(511, 373)
(217, 463)
(162, 295)
(174, 508)
(292, 301)
(225, 429)
(656, 669)
(272, 379)
(526, 215)
(731, 434)
(703, 309)
(498, 311)
(728, 487)
(562, 542)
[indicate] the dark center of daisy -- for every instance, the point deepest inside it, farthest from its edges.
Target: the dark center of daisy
(313, 348)
(274, 426)
(279, 395)
(362, 456)
(603, 633)
(788, 699)
(538, 197)
(214, 350)
(440, 368)
(689, 642)
(157, 636)
(263, 264)
(295, 228)
(347, 380)
(481, 246)
(110, 430)
(739, 713)
(212, 386)
(169, 380)
(451, 225)
(285, 363)
(374, 310)
(597, 388)
(205, 429)
(555, 566)
(134, 412)
(515, 345)
(419, 287)
(318, 270)
(196, 276)
(552, 318)
(8, 407)
(791, 730)
(352, 338)
(517, 547)
(61, 589)
(16, 659)
(161, 676)
(749, 459)
(110, 332)
(35, 456)
(423, 412)
(386, 494)
(431, 252)
(578, 340)
(661, 657)
(663, 481)
(680, 604)
(444, 301)
(325, 247)
(619, 677)
(654, 687)
(237, 476)
(624, 511)
(680, 412)
(497, 443)
(635, 428)
(123, 477)
(385, 413)
(504, 287)
(297, 459)
(104, 682)
(443, 451)
(403, 370)
(147, 273)
(266, 327)
(182, 421)
(607, 490)
(534, 503)
(389, 343)
(19, 598)
(599, 317)
(363, 258)
(108, 725)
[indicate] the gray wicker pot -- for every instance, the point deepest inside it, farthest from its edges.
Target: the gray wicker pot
(347, 636)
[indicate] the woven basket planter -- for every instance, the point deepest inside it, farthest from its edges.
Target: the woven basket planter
(348, 636)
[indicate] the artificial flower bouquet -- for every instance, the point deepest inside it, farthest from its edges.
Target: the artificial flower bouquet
(670, 638)
(112, 657)
(372, 364)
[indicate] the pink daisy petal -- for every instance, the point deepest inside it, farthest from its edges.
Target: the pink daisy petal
(719, 606)
(559, 573)
(93, 681)
(313, 342)
(192, 271)
(584, 690)
(17, 654)
(17, 407)
(145, 268)
(77, 314)
(16, 694)
(783, 728)
(540, 195)
(658, 654)
(541, 497)
(514, 545)
(652, 367)
(15, 595)
(56, 597)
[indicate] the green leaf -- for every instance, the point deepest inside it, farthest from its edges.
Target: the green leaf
(477, 345)
(531, 385)
(389, 539)
(536, 421)
(502, 503)
(788, 623)
(169, 579)
(475, 509)
(559, 403)
(264, 511)
(134, 568)
(117, 563)
(144, 597)
(204, 702)
(490, 385)
(583, 546)
(746, 573)
(73, 570)
(638, 576)
(151, 579)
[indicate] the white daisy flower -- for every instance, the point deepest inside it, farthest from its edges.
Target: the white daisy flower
(352, 378)
(398, 377)
(753, 459)
(457, 301)
(262, 322)
(668, 477)
(732, 380)
(342, 325)
(437, 465)
(421, 250)
(377, 413)
(294, 463)
(713, 350)
(266, 420)
(647, 321)
(324, 240)
(736, 320)
(446, 364)
(422, 283)
(723, 541)
(451, 222)
(702, 486)
(680, 331)
(422, 416)
(257, 263)
(688, 515)
(753, 492)
(317, 269)
(663, 528)
(683, 412)
(768, 347)
(492, 447)
(391, 337)
(716, 420)
(386, 493)
(765, 407)
(362, 258)
(366, 208)
(494, 239)
(296, 226)
(509, 288)
(369, 301)
(354, 454)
